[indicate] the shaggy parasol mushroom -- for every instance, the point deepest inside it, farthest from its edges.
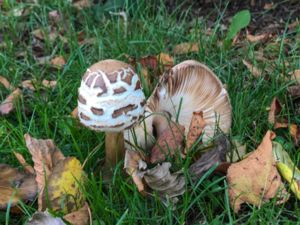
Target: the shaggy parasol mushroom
(188, 87)
(111, 100)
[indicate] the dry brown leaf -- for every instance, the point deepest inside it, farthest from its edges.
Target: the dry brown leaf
(15, 185)
(42, 35)
(54, 16)
(45, 156)
(79, 217)
(185, 48)
(74, 113)
(256, 38)
(268, 6)
(5, 83)
(255, 179)
(195, 130)
(168, 143)
(295, 133)
(44, 218)
(32, 84)
(133, 164)
(58, 62)
(253, 70)
(275, 109)
(165, 60)
(150, 62)
(213, 156)
(294, 90)
(295, 76)
(23, 162)
(165, 183)
(7, 106)
(81, 4)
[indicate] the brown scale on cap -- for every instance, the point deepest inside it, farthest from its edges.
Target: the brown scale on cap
(113, 77)
(97, 111)
(127, 78)
(126, 109)
(99, 83)
(81, 99)
(137, 85)
(101, 127)
(143, 103)
(119, 90)
(90, 80)
(84, 117)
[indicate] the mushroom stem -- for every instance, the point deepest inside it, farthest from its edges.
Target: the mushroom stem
(114, 148)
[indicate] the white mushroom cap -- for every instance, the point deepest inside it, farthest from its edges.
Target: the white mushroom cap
(110, 97)
(196, 88)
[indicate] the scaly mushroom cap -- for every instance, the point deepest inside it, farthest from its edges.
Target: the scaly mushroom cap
(110, 97)
(196, 88)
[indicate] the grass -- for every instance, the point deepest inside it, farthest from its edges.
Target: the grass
(151, 30)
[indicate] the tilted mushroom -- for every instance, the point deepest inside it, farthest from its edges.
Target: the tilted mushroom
(111, 100)
(188, 87)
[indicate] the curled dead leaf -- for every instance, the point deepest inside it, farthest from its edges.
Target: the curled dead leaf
(7, 106)
(32, 84)
(58, 62)
(81, 4)
(295, 75)
(255, 179)
(256, 38)
(275, 109)
(253, 70)
(15, 185)
(210, 158)
(23, 162)
(295, 133)
(195, 130)
(165, 183)
(168, 143)
(294, 91)
(74, 113)
(185, 48)
(133, 164)
(44, 218)
(165, 60)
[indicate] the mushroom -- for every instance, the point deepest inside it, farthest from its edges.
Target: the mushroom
(111, 100)
(188, 87)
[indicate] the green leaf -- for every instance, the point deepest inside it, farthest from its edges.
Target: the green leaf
(239, 21)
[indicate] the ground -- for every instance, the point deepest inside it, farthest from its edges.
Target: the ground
(90, 34)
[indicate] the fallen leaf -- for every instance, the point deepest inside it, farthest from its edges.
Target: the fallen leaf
(5, 83)
(7, 106)
(294, 90)
(23, 162)
(168, 143)
(275, 109)
(133, 164)
(165, 183)
(58, 62)
(237, 153)
(15, 186)
(44, 218)
(268, 6)
(256, 38)
(45, 156)
(287, 168)
(165, 60)
(79, 217)
(185, 48)
(32, 84)
(81, 4)
(74, 113)
(210, 158)
(253, 70)
(295, 133)
(54, 16)
(46, 34)
(195, 130)
(255, 179)
(150, 62)
(295, 75)
(63, 190)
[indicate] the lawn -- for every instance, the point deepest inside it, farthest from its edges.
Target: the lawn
(92, 34)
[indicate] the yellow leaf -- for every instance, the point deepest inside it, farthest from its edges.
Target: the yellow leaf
(63, 187)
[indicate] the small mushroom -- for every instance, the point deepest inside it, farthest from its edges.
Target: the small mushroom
(188, 87)
(111, 100)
